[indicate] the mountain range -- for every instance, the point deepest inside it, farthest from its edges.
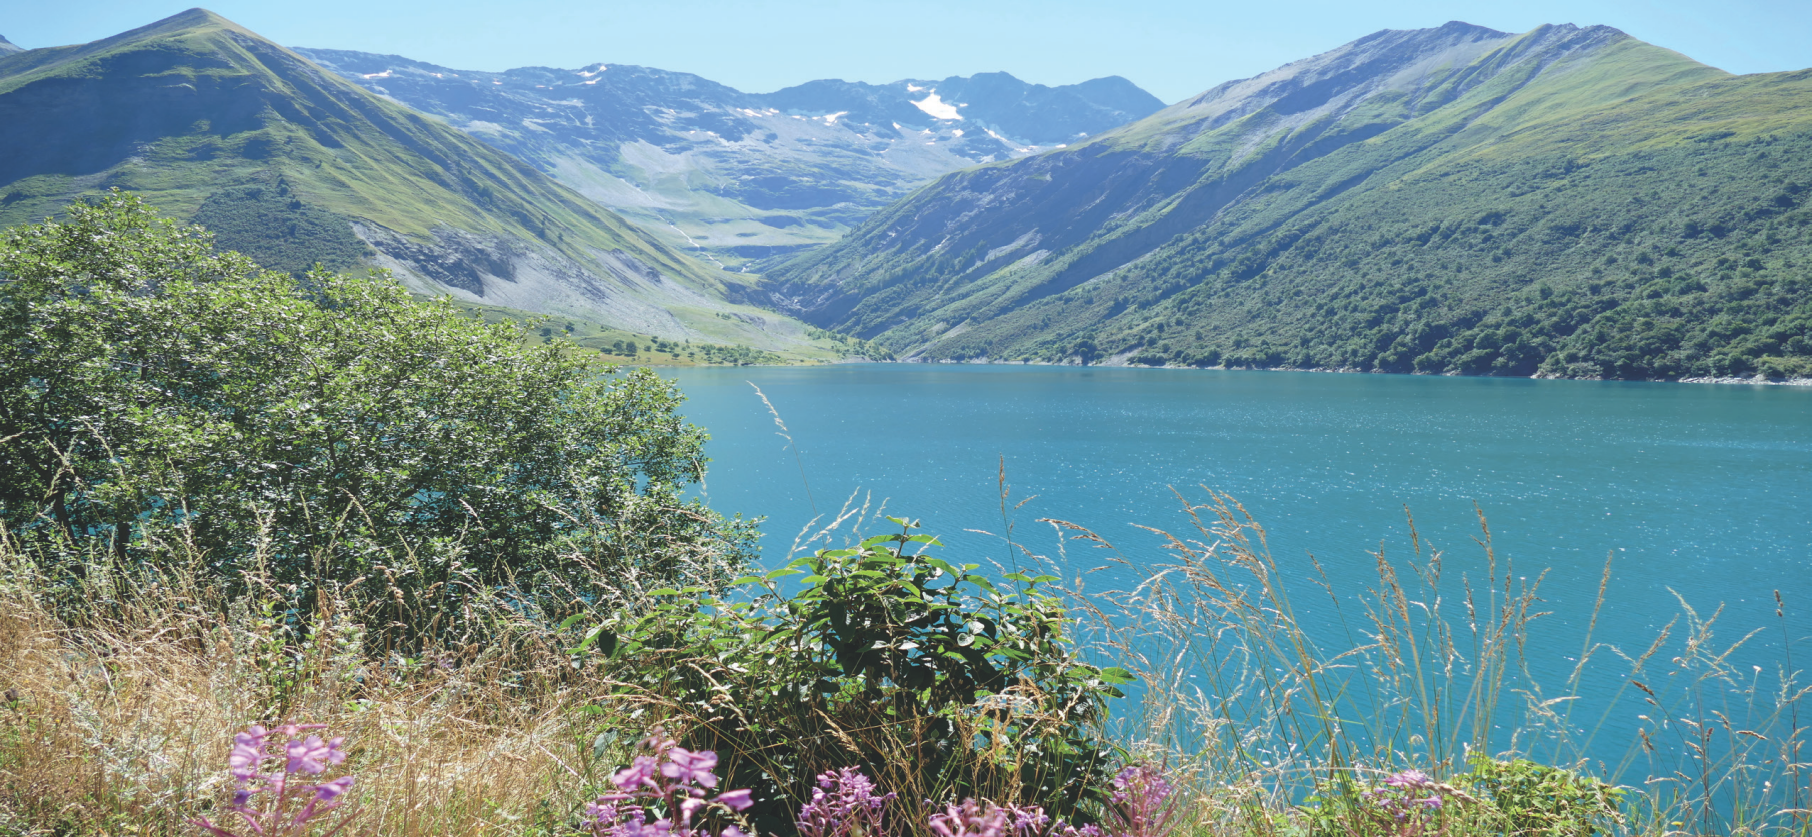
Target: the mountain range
(294, 166)
(1567, 201)
(744, 177)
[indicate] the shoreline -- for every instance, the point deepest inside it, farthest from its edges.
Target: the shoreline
(1756, 381)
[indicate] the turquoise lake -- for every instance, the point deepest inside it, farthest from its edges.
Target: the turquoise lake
(1705, 490)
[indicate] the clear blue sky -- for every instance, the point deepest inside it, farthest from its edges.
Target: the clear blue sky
(1174, 48)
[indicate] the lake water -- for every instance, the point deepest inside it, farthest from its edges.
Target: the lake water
(1701, 489)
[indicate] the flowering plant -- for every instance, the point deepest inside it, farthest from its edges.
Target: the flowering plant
(269, 773)
(674, 779)
(1143, 803)
(844, 805)
(983, 818)
(1410, 802)
(1405, 796)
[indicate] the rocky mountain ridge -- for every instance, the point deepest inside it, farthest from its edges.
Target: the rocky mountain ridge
(742, 177)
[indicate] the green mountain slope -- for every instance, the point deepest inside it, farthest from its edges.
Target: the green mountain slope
(1568, 201)
(294, 166)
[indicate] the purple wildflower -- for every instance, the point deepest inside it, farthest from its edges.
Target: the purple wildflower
(843, 805)
(1408, 798)
(984, 818)
(639, 774)
(1409, 779)
(269, 799)
(686, 766)
(1141, 805)
(248, 752)
(671, 777)
(735, 800)
(972, 818)
(329, 791)
(1028, 820)
(311, 755)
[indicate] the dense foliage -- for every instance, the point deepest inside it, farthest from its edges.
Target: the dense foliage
(153, 389)
(1603, 209)
(1619, 268)
(943, 682)
(272, 225)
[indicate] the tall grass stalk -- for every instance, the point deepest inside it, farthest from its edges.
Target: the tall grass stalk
(1274, 717)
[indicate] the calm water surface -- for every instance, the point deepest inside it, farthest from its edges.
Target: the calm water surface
(1703, 490)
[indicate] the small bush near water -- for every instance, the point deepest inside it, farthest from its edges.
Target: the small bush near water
(220, 521)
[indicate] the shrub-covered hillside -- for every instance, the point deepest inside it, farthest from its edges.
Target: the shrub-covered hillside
(1568, 202)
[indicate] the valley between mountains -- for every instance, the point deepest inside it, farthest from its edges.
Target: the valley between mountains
(1565, 202)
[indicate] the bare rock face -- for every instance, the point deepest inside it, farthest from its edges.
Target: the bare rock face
(746, 179)
(8, 47)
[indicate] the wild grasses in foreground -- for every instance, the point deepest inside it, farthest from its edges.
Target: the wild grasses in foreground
(508, 723)
(116, 711)
(1284, 729)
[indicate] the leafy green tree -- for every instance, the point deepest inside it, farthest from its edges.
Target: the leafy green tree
(154, 391)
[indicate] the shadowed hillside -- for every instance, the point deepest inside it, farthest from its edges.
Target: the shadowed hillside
(294, 166)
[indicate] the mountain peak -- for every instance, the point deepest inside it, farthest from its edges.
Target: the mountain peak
(1453, 26)
(188, 19)
(8, 47)
(193, 17)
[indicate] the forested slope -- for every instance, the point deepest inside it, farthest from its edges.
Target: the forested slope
(1569, 201)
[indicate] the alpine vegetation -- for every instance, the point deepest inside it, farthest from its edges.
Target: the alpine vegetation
(159, 398)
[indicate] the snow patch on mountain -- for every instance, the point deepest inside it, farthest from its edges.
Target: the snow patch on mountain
(937, 108)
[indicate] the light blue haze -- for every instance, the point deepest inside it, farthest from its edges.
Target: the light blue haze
(1173, 48)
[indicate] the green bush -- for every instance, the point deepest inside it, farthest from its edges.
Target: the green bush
(1528, 798)
(941, 683)
(160, 399)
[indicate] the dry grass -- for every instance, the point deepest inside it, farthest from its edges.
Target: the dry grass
(122, 725)
(119, 714)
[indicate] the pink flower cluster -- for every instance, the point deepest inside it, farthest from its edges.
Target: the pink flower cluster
(983, 818)
(1406, 797)
(844, 804)
(268, 773)
(1143, 803)
(674, 779)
